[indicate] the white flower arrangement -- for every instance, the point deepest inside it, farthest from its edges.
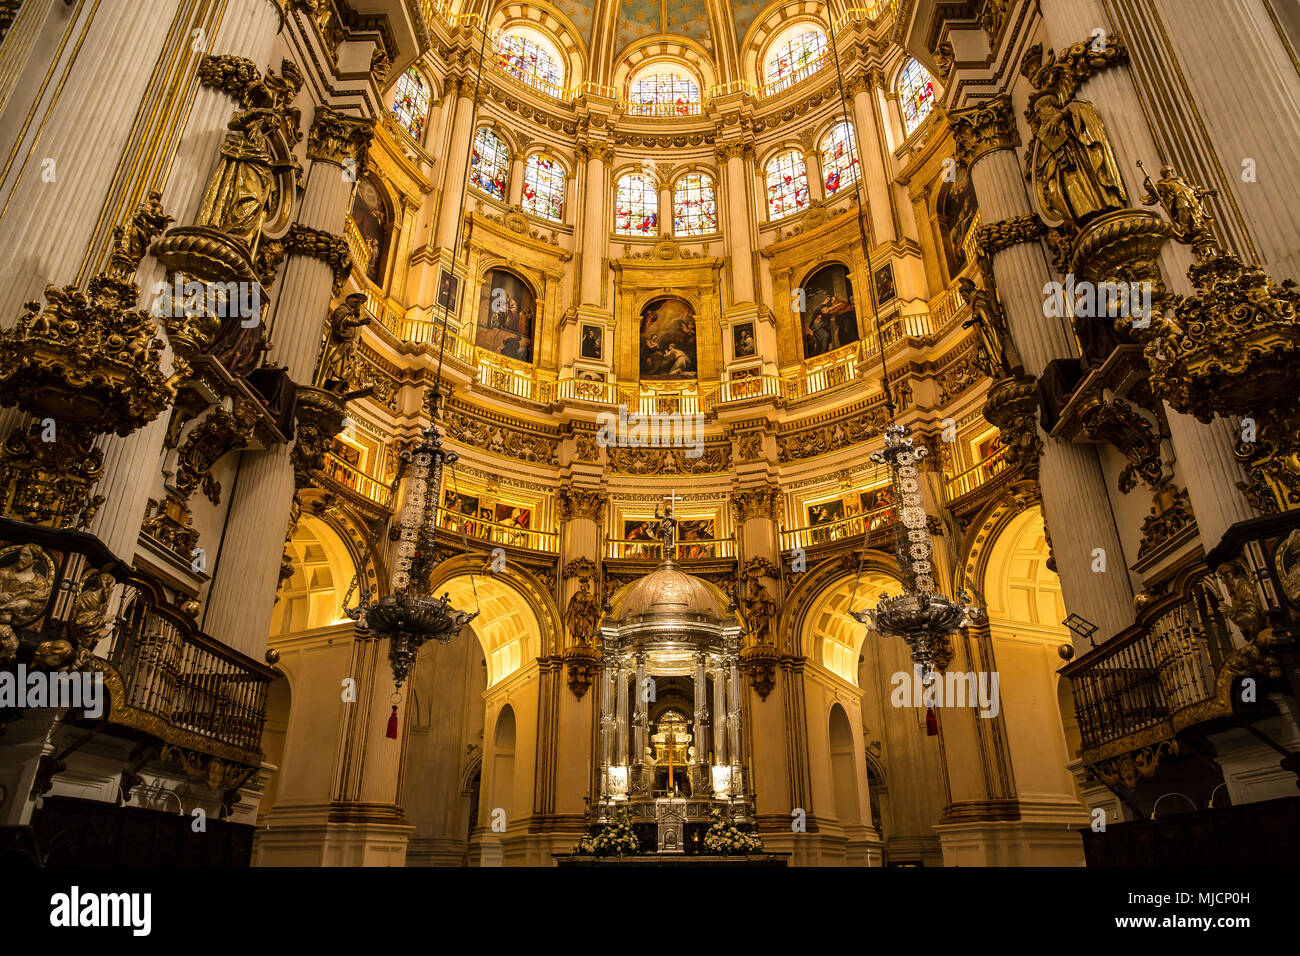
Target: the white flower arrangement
(725, 839)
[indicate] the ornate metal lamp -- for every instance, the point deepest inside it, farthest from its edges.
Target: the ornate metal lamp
(924, 618)
(411, 616)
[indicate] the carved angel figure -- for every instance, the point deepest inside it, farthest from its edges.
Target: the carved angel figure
(1184, 204)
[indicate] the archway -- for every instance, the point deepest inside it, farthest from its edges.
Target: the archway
(503, 766)
(844, 773)
(322, 569)
(507, 624)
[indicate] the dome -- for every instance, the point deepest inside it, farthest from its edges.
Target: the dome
(669, 594)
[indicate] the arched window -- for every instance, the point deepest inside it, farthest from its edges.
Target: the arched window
(695, 210)
(544, 188)
(531, 59)
(411, 102)
(636, 210)
(916, 93)
(488, 164)
(664, 94)
(795, 55)
(839, 158)
(787, 184)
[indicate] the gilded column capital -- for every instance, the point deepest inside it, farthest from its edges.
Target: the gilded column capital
(984, 128)
(580, 503)
(592, 149)
(859, 82)
(763, 502)
(317, 244)
(234, 75)
(737, 149)
(338, 138)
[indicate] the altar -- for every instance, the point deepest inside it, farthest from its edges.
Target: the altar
(668, 766)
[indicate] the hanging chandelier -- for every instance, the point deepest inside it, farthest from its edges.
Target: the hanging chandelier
(410, 616)
(922, 616)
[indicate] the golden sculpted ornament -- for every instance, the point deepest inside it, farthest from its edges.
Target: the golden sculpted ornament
(239, 196)
(1184, 204)
(1075, 174)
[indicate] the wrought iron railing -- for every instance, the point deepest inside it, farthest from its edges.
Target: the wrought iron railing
(696, 550)
(198, 688)
(1136, 686)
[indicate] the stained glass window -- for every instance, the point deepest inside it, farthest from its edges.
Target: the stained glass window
(798, 57)
(787, 184)
(839, 159)
(529, 61)
(636, 211)
(411, 104)
(916, 93)
(488, 164)
(664, 94)
(695, 211)
(544, 188)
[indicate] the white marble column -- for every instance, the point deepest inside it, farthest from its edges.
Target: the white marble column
(515, 183)
(242, 594)
(870, 151)
(701, 710)
(456, 167)
(812, 161)
(666, 209)
(606, 722)
(131, 464)
(719, 716)
(621, 758)
(733, 719)
(595, 225)
(1075, 499)
(640, 710)
(740, 238)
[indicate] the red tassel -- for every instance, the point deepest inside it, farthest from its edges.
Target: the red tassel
(931, 723)
(392, 724)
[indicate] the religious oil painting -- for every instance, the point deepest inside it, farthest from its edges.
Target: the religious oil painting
(668, 340)
(830, 318)
(507, 316)
(370, 213)
(593, 342)
(742, 340)
(885, 291)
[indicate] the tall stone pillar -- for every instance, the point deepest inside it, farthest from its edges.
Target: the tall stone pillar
(871, 153)
(701, 715)
(621, 757)
(1075, 498)
(812, 161)
(515, 184)
(719, 715)
(1204, 460)
(640, 717)
(740, 238)
(131, 463)
(456, 167)
(242, 594)
(595, 222)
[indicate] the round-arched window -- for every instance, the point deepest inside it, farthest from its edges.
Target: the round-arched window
(488, 163)
(797, 53)
(411, 102)
(915, 94)
(663, 92)
(787, 184)
(531, 58)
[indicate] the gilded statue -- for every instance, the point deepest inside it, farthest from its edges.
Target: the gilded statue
(337, 364)
(996, 353)
(1076, 176)
(1183, 202)
(240, 193)
(759, 610)
(582, 614)
(90, 611)
(131, 241)
(1245, 610)
(24, 591)
(667, 532)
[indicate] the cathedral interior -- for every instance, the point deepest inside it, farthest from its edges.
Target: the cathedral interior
(559, 433)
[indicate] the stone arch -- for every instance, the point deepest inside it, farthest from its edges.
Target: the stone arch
(769, 25)
(803, 599)
(518, 620)
(680, 52)
(323, 567)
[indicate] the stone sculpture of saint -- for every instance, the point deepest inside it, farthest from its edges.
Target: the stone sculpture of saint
(24, 591)
(340, 349)
(759, 610)
(582, 614)
(997, 354)
(1076, 177)
(240, 192)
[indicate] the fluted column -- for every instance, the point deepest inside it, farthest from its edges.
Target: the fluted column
(701, 712)
(456, 167)
(515, 184)
(595, 223)
(812, 161)
(719, 716)
(131, 463)
(740, 238)
(1203, 454)
(621, 727)
(665, 208)
(242, 595)
(867, 127)
(640, 710)
(1075, 499)
(606, 723)
(733, 718)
